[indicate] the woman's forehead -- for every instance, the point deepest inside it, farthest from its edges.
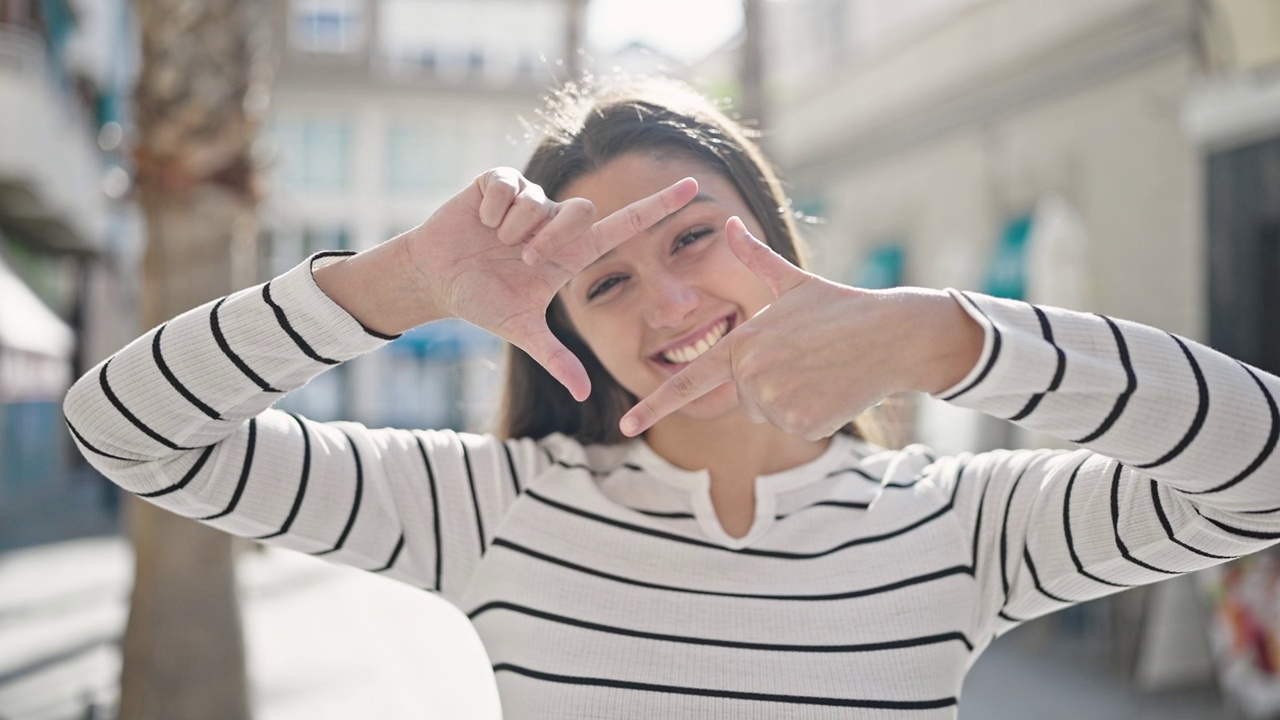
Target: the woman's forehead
(634, 176)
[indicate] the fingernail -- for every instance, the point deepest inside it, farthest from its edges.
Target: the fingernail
(629, 426)
(531, 256)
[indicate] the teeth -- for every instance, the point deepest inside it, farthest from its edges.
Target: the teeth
(689, 353)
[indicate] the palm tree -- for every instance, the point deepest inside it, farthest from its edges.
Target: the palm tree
(198, 104)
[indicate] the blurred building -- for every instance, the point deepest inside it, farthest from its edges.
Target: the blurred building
(383, 110)
(1058, 151)
(64, 246)
(1116, 156)
(1233, 116)
(1030, 150)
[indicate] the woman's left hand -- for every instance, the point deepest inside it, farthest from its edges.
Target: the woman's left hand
(822, 353)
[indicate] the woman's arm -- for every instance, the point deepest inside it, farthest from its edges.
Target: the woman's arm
(181, 416)
(1179, 472)
(1180, 469)
(845, 349)
(469, 261)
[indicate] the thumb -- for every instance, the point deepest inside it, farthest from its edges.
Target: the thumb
(781, 276)
(546, 349)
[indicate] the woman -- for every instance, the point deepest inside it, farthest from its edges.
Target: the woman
(720, 549)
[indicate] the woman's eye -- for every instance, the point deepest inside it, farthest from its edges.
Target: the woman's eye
(603, 286)
(689, 238)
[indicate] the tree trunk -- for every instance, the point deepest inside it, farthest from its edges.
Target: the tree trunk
(201, 90)
(751, 67)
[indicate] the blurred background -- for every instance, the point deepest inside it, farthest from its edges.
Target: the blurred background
(1117, 156)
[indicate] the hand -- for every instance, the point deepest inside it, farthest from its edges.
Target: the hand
(474, 258)
(822, 353)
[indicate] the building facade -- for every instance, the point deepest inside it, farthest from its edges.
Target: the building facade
(1030, 150)
(382, 111)
(66, 248)
(1115, 156)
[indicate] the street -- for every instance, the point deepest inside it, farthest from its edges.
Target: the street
(327, 642)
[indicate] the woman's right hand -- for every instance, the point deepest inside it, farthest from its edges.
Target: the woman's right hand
(477, 258)
(822, 352)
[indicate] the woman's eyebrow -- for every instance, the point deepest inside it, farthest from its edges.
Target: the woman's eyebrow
(701, 197)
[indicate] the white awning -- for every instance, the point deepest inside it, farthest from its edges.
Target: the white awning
(27, 324)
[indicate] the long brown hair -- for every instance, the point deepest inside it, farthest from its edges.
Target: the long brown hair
(583, 133)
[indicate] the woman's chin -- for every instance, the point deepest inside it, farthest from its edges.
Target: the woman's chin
(714, 405)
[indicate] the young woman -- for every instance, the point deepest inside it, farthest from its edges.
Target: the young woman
(678, 519)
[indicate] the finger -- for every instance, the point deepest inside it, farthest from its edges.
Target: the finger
(498, 189)
(711, 370)
(571, 218)
(576, 253)
(753, 412)
(546, 350)
(780, 275)
(529, 211)
(820, 433)
(747, 402)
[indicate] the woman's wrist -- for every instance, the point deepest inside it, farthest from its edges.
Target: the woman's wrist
(945, 339)
(381, 288)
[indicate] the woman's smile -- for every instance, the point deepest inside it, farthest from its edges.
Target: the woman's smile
(692, 345)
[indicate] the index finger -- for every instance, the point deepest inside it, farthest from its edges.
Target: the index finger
(574, 254)
(706, 373)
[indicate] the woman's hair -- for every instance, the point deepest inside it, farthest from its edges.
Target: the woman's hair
(583, 133)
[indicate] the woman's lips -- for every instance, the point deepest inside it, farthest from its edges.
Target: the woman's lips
(688, 348)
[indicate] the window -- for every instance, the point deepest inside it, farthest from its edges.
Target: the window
(314, 154)
(440, 375)
(459, 41)
(1007, 268)
(881, 268)
(423, 156)
(327, 26)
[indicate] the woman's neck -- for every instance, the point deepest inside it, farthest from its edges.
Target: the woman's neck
(731, 448)
(734, 452)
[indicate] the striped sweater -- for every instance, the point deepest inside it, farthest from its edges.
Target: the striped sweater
(599, 578)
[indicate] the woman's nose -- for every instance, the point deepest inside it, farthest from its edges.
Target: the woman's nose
(668, 302)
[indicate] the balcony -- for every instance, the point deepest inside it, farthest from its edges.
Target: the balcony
(51, 195)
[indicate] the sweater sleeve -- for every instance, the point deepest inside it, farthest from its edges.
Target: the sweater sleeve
(180, 417)
(1177, 469)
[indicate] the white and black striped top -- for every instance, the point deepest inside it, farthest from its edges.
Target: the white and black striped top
(599, 578)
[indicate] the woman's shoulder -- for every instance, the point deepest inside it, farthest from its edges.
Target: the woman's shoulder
(871, 455)
(566, 451)
(912, 466)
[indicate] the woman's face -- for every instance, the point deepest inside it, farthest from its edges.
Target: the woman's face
(663, 297)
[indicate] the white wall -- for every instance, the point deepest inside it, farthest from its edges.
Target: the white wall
(1114, 151)
(937, 138)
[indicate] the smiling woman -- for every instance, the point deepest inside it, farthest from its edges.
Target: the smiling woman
(672, 523)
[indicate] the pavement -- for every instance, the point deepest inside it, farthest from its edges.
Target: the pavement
(323, 641)
(1041, 671)
(326, 642)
